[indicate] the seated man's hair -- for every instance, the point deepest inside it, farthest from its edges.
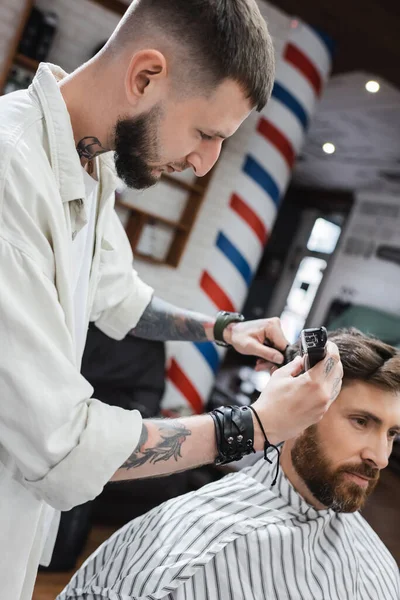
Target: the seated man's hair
(364, 358)
(206, 42)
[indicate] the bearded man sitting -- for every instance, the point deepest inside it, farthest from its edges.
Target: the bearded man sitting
(303, 538)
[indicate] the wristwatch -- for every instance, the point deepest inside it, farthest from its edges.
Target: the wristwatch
(223, 319)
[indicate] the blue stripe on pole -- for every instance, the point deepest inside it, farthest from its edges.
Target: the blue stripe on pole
(233, 254)
(210, 354)
(254, 170)
(326, 39)
(283, 95)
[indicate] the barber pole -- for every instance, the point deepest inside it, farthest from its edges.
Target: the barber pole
(256, 193)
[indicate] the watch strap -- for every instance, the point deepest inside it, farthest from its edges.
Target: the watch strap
(224, 318)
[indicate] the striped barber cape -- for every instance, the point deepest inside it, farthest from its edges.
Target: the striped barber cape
(240, 539)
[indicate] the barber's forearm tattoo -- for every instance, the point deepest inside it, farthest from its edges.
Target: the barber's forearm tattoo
(173, 435)
(163, 321)
(330, 363)
(336, 388)
(90, 147)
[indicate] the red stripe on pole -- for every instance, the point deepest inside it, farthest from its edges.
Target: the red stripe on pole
(185, 386)
(216, 293)
(249, 216)
(299, 60)
(277, 139)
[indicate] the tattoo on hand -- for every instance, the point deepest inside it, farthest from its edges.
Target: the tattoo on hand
(173, 435)
(336, 388)
(330, 363)
(90, 147)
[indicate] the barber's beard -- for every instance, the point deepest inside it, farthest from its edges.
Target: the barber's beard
(136, 147)
(329, 486)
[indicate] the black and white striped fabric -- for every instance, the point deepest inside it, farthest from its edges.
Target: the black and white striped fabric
(240, 539)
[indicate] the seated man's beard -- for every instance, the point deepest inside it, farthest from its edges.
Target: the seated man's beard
(329, 486)
(136, 147)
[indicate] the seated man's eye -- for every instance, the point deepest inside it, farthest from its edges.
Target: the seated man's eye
(360, 421)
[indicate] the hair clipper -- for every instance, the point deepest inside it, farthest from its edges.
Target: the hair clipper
(313, 346)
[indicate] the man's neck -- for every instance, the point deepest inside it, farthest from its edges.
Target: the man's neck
(296, 480)
(81, 96)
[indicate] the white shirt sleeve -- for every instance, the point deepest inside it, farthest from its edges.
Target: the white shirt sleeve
(66, 444)
(121, 296)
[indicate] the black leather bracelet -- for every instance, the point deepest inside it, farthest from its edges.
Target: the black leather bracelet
(234, 431)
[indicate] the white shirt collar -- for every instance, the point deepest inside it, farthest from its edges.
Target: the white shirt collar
(66, 164)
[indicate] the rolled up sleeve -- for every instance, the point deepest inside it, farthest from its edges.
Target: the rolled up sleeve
(107, 439)
(66, 444)
(121, 296)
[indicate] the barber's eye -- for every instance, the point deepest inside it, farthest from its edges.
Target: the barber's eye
(205, 136)
(361, 421)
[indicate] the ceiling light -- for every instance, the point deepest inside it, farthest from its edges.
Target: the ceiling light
(328, 148)
(372, 87)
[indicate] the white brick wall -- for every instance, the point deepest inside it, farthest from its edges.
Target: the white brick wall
(10, 16)
(83, 26)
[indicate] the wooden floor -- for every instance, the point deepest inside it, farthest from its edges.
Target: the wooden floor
(382, 512)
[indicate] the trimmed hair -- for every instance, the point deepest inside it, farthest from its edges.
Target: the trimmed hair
(214, 40)
(364, 358)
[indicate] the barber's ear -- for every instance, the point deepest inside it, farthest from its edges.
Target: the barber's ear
(146, 70)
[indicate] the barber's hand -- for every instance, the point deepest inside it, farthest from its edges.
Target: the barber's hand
(292, 400)
(248, 337)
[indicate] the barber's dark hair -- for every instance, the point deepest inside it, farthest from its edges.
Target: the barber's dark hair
(364, 358)
(218, 40)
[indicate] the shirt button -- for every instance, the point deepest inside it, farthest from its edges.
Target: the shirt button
(74, 234)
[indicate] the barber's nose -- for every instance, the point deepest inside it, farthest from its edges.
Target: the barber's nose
(203, 160)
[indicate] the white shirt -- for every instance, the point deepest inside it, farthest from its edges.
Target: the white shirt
(240, 539)
(82, 256)
(58, 446)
